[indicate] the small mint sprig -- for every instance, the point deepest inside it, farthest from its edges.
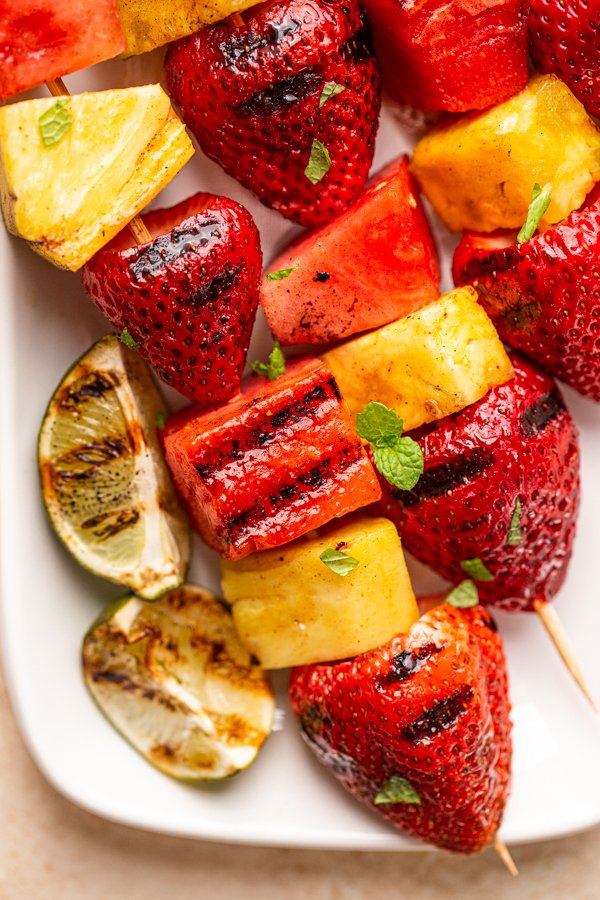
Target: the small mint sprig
(274, 368)
(399, 459)
(477, 569)
(319, 163)
(126, 338)
(464, 595)
(338, 562)
(540, 201)
(330, 90)
(281, 274)
(396, 790)
(55, 123)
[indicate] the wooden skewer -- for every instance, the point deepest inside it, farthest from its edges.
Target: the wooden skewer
(559, 638)
(504, 854)
(58, 88)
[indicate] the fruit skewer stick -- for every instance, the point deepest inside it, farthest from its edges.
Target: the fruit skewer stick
(555, 629)
(58, 88)
(504, 854)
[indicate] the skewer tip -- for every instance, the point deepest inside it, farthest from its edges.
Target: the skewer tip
(559, 638)
(504, 854)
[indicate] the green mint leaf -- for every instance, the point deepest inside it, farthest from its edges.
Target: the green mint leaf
(161, 420)
(319, 163)
(281, 274)
(126, 339)
(340, 563)
(476, 569)
(274, 368)
(515, 535)
(464, 595)
(396, 790)
(55, 123)
(379, 424)
(540, 201)
(331, 89)
(401, 463)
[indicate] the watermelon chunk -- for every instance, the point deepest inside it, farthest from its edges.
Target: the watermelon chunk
(373, 264)
(450, 56)
(277, 461)
(40, 41)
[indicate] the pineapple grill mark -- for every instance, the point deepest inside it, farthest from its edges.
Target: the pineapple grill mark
(440, 480)
(440, 717)
(265, 431)
(282, 95)
(167, 248)
(541, 413)
(91, 386)
(407, 664)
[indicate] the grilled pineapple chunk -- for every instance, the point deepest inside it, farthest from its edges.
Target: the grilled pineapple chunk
(69, 199)
(427, 365)
(174, 680)
(291, 608)
(148, 24)
(478, 171)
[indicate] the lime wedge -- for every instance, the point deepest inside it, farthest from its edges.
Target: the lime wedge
(174, 680)
(105, 485)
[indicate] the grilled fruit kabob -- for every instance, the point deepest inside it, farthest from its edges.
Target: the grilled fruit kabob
(430, 749)
(542, 293)
(286, 100)
(187, 297)
(499, 496)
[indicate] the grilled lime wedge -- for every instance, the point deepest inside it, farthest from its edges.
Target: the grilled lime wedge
(174, 680)
(106, 487)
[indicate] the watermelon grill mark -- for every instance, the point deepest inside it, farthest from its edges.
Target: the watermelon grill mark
(543, 411)
(439, 717)
(167, 248)
(440, 480)
(407, 664)
(265, 431)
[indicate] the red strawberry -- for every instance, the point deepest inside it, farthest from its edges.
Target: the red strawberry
(501, 485)
(450, 56)
(564, 38)
(543, 294)
(189, 298)
(426, 715)
(275, 462)
(255, 97)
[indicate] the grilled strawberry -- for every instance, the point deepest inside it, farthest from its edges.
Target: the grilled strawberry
(189, 298)
(274, 100)
(450, 56)
(277, 461)
(564, 39)
(499, 494)
(419, 728)
(542, 294)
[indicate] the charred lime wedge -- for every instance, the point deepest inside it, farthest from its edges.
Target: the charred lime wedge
(106, 487)
(174, 679)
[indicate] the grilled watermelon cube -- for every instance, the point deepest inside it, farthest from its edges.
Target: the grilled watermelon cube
(373, 264)
(41, 41)
(276, 462)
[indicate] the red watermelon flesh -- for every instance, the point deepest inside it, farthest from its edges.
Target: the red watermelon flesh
(373, 264)
(44, 40)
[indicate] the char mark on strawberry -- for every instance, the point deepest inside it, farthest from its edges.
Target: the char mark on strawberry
(259, 96)
(500, 488)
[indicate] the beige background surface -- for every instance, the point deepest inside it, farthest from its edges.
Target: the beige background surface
(51, 850)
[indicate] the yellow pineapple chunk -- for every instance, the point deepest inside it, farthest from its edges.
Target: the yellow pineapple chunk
(148, 24)
(427, 365)
(478, 171)
(69, 199)
(291, 609)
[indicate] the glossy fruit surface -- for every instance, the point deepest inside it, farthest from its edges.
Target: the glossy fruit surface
(450, 56)
(254, 98)
(425, 717)
(501, 485)
(542, 295)
(374, 263)
(188, 298)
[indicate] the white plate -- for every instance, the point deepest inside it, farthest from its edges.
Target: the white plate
(48, 603)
